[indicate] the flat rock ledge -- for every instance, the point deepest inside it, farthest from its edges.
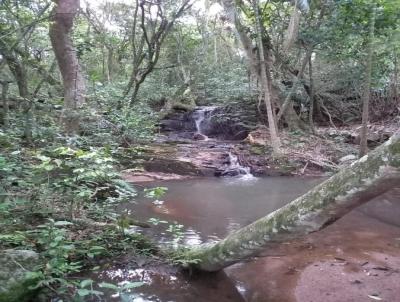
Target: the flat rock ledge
(133, 176)
(14, 279)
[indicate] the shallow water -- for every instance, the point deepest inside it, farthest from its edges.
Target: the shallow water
(209, 209)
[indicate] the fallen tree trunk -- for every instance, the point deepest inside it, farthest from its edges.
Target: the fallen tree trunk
(370, 176)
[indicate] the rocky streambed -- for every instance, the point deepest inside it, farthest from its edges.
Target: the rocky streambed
(207, 141)
(233, 140)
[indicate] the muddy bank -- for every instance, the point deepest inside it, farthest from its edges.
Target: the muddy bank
(355, 259)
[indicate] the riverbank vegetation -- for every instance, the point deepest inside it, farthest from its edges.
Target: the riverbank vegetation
(99, 95)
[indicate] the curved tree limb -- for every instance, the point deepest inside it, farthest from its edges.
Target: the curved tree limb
(370, 176)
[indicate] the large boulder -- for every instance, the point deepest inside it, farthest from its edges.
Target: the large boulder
(177, 119)
(226, 122)
(14, 278)
(230, 122)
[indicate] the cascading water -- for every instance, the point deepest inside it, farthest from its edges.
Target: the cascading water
(200, 116)
(234, 165)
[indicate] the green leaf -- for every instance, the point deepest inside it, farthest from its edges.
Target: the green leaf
(82, 292)
(97, 248)
(85, 283)
(49, 167)
(59, 238)
(108, 285)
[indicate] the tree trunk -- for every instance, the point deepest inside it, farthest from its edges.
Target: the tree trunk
(266, 84)
(296, 80)
(18, 70)
(110, 62)
(370, 176)
(73, 80)
(4, 90)
(312, 95)
(365, 112)
(395, 83)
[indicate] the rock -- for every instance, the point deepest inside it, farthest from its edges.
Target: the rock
(133, 176)
(177, 121)
(230, 122)
(347, 158)
(231, 172)
(14, 282)
(172, 166)
(199, 137)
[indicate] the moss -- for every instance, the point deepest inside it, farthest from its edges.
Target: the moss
(15, 279)
(259, 150)
(182, 106)
(19, 292)
(4, 143)
(395, 150)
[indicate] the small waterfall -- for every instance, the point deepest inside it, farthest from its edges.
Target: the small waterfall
(200, 115)
(235, 166)
(198, 119)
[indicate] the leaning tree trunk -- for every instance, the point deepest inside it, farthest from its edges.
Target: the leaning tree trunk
(73, 80)
(370, 176)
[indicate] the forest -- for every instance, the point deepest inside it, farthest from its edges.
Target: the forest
(199, 150)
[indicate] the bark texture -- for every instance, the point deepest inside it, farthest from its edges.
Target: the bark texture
(74, 83)
(266, 84)
(370, 176)
(366, 97)
(4, 90)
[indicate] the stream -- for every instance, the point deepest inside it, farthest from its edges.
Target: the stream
(352, 260)
(339, 260)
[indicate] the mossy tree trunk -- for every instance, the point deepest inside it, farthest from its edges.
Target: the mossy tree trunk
(370, 176)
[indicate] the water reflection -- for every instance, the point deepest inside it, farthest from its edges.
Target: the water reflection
(208, 209)
(212, 208)
(165, 286)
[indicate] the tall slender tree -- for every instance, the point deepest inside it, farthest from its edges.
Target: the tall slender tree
(74, 83)
(367, 83)
(265, 82)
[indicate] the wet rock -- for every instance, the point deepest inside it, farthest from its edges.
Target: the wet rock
(231, 172)
(172, 165)
(134, 176)
(14, 279)
(177, 121)
(348, 158)
(230, 122)
(225, 123)
(199, 137)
